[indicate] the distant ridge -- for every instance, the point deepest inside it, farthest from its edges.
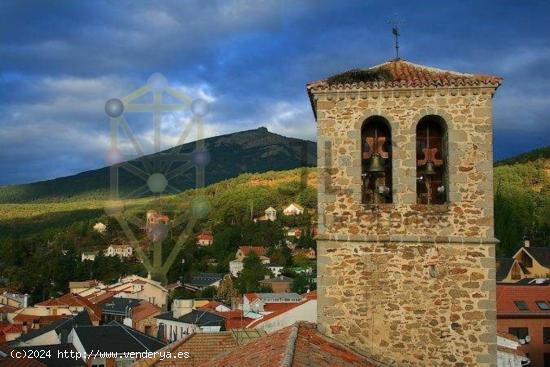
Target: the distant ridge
(249, 151)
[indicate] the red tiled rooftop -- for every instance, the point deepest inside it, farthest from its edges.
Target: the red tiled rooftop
(7, 309)
(42, 320)
(530, 294)
(297, 345)
(144, 310)
(402, 74)
(205, 236)
(11, 328)
(67, 300)
(259, 250)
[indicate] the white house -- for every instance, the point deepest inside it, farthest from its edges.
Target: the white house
(509, 352)
(122, 251)
(100, 228)
(270, 214)
(146, 289)
(235, 267)
(184, 319)
(293, 209)
(275, 269)
(279, 310)
(88, 255)
(205, 239)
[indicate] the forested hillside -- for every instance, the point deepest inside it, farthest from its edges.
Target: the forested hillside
(522, 200)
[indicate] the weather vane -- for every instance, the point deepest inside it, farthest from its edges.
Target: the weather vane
(396, 23)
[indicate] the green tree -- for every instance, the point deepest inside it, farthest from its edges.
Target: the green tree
(227, 291)
(300, 283)
(253, 271)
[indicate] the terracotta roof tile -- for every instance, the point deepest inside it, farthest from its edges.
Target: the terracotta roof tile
(144, 310)
(259, 250)
(200, 346)
(402, 74)
(206, 236)
(298, 345)
(17, 362)
(507, 294)
(42, 320)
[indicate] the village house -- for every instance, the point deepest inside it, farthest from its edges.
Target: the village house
(185, 319)
(275, 269)
(146, 289)
(528, 262)
(7, 313)
(78, 287)
(524, 311)
(279, 284)
(535, 260)
(123, 251)
(154, 221)
(244, 251)
(270, 214)
(13, 299)
(510, 351)
(9, 332)
(56, 332)
(237, 265)
(294, 232)
(43, 314)
(205, 239)
(120, 341)
(131, 286)
(200, 281)
(88, 255)
(509, 270)
(280, 310)
(293, 209)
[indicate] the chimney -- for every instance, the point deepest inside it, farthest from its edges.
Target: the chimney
(266, 277)
(182, 307)
(526, 243)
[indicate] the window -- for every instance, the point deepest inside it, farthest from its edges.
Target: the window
(376, 161)
(543, 305)
(521, 305)
(546, 335)
(431, 170)
(519, 332)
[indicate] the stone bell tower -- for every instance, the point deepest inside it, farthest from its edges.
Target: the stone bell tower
(406, 248)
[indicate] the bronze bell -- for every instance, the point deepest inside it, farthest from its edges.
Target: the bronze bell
(429, 169)
(376, 164)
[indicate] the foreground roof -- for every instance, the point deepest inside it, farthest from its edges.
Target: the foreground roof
(56, 355)
(116, 338)
(523, 300)
(202, 347)
(399, 73)
(61, 327)
(297, 345)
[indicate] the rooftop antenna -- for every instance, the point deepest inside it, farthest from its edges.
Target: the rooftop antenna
(396, 23)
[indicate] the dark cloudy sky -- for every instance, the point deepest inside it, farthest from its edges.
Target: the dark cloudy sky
(61, 60)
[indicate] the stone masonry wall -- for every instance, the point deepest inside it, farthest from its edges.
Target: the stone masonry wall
(410, 304)
(468, 117)
(409, 284)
